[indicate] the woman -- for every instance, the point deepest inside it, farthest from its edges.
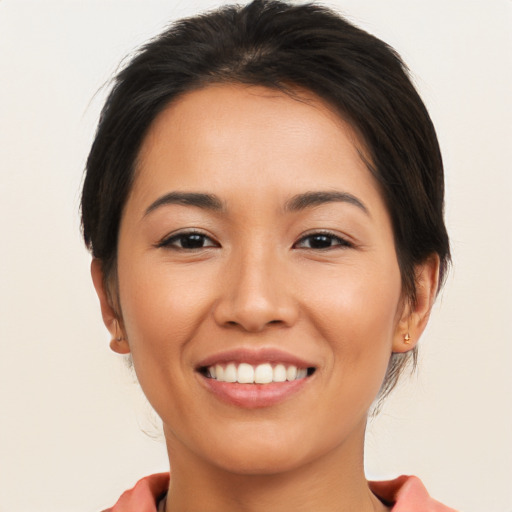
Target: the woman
(264, 205)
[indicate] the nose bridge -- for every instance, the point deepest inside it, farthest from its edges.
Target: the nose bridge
(255, 294)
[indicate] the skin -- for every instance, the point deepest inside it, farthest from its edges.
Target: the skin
(258, 282)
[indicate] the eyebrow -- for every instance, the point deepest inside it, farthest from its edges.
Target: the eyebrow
(199, 200)
(310, 199)
(296, 203)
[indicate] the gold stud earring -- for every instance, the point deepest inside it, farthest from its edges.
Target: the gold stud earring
(407, 339)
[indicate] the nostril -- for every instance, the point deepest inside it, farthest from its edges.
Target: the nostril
(246, 325)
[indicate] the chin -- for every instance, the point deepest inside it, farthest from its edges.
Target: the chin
(265, 449)
(261, 462)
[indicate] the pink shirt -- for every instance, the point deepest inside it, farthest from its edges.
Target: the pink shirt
(407, 494)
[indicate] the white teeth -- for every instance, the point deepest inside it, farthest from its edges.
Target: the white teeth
(279, 373)
(264, 373)
(301, 373)
(291, 373)
(245, 374)
(230, 373)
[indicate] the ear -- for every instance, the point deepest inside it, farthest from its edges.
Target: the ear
(414, 317)
(119, 343)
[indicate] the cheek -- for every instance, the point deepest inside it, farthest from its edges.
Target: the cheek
(356, 297)
(158, 298)
(355, 310)
(161, 309)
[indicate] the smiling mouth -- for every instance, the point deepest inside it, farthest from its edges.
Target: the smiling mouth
(266, 373)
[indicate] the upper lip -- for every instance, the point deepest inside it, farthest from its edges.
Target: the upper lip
(255, 357)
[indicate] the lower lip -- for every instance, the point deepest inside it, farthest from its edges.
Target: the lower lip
(253, 396)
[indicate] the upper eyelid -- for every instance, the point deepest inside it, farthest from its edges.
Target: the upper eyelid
(344, 242)
(325, 232)
(183, 232)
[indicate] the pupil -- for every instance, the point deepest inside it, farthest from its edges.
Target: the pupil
(320, 241)
(192, 241)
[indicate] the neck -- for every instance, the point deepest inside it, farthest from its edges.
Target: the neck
(334, 482)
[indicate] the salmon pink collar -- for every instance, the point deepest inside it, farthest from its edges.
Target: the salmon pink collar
(406, 493)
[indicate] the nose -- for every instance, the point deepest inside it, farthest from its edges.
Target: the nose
(256, 292)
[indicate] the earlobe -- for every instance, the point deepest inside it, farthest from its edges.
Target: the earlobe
(415, 315)
(119, 343)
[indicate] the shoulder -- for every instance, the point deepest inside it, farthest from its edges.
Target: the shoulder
(144, 496)
(407, 493)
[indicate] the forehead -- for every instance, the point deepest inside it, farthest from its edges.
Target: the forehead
(238, 136)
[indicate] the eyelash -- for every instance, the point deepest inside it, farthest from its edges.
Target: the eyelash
(322, 236)
(170, 242)
(325, 235)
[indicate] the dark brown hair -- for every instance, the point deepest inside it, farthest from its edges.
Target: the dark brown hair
(286, 47)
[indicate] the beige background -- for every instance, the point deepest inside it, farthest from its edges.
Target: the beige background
(71, 417)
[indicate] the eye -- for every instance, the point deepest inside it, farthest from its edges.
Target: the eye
(321, 241)
(189, 240)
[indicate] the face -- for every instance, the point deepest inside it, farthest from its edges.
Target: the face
(255, 246)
